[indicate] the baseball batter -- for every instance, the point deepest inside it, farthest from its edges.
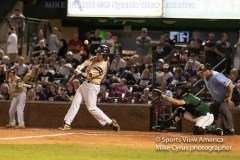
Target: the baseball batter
(193, 109)
(88, 91)
(18, 92)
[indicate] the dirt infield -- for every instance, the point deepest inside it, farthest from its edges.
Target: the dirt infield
(94, 137)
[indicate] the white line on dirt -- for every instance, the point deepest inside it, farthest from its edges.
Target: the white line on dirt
(40, 136)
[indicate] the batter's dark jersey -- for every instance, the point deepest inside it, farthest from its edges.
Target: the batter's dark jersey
(195, 106)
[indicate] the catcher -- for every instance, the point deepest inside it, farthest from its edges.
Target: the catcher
(191, 108)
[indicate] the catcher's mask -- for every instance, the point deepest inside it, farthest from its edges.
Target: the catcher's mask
(104, 50)
(182, 88)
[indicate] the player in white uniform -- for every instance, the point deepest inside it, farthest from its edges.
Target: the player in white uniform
(95, 71)
(18, 92)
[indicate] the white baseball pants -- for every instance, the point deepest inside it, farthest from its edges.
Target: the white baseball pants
(202, 121)
(17, 105)
(87, 92)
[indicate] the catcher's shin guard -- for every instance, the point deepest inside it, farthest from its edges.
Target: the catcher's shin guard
(198, 130)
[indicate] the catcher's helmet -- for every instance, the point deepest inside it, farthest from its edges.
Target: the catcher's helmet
(184, 86)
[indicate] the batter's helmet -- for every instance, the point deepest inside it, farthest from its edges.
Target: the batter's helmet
(103, 49)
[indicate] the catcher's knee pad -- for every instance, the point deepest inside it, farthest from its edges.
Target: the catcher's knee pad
(198, 130)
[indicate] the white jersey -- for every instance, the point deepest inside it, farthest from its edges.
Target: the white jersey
(13, 46)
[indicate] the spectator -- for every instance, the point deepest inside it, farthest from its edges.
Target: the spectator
(18, 22)
(6, 62)
(145, 97)
(1, 55)
(22, 68)
(94, 42)
(4, 93)
(132, 75)
(177, 78)
(195, 64)
(110, 43)
(76, 84)
(31, 95)
(162, 50)
(166, 74)
(44, 76)
(120, 87)
(53, 42)
(195, 44)
(3, 70)
(40, 95)
(143, 43)
(70, 59)
(236, 62)
(118, 65)
(76, 47)
(36, 40)
(40, 49)
(189, 68)
(159, 67)
(224, 49)
(62, 95)
(211, 56)
(70, 91)
(31, 77)
(12, 44)
(63, 45)
(52, 91)
(145, 81)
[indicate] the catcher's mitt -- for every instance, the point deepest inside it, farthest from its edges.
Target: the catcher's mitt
(157, 95)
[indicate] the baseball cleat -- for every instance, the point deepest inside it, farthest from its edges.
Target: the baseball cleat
(20, 127)
(229, 132)
(10, 126)
(219, 132)
(64, 127)
(115, 126)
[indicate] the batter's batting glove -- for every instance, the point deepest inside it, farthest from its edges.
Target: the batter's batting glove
(157, 95)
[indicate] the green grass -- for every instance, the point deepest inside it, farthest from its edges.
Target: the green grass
(100, 152)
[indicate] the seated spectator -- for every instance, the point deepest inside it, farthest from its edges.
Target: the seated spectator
(233, 75)
(65, 71)
(3, 71)
(40, 95)
(62, 95)
(76, 84)
(132, 75)
(40, 49)
(144, 82)
(145, 97)
(159, 67)
(44, 76)
(6, 62)
(74, 62)
(36, 39)
(118, 65)
(70, 91)
(31, 95)
(35, 62)
(189, 68)
(4, 92)
(195, 62)
(22, 68)
(1, 55)
(120, 87)
(31, 77)
(177, 78)
(52, 91)
(166, 74)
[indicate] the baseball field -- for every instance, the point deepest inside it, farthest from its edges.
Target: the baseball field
(51, 144)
